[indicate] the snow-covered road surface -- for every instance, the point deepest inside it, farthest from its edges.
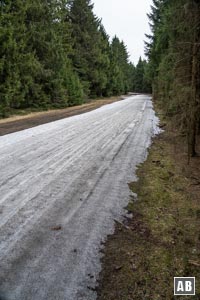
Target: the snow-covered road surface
(62, 184)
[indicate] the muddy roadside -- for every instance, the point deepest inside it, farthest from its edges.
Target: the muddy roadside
(20, 122)
(162, 238)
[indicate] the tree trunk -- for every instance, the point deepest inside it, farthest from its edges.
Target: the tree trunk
(193, 119)
(194, 101)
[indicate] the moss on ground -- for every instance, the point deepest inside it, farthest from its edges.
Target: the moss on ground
(162, 239)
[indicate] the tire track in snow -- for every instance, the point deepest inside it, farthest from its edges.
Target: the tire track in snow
(73, 173)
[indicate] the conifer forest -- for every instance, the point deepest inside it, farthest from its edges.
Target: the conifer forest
(56, 53)
(99, 149)
(173, 50)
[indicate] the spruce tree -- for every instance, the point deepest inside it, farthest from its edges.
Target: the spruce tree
(174, 56)
(86, 40)
(56, 53)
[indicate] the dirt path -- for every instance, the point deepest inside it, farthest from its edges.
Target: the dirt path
(17, 123)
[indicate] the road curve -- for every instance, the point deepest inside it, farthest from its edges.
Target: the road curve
(62, 184)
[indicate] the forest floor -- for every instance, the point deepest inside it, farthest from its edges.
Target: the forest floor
(23, 119)
(161, 240)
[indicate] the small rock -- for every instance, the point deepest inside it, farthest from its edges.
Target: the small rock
(134, 267)
(117, 268)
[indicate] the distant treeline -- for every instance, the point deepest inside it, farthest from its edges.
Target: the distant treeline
(174, 63)
(56, 53)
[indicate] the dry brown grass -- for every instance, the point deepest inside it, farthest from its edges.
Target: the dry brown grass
(26, 119)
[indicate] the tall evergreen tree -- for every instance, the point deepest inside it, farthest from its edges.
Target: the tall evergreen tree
(86, 39)
(142, 84)
(119, 79)
(139, 76)
(56, 53)
(15, 61)
(174, 56)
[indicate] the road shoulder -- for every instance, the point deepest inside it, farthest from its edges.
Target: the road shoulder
(20, 122)
(162, 238)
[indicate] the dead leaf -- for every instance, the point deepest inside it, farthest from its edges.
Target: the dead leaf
(56, 228)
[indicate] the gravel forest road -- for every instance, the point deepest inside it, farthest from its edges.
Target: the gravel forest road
(62, 185)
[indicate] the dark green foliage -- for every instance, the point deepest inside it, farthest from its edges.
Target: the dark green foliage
(122, 72)
(142, 84)
(56, 53)
(102, 67)
(174, 62)
(75, 89)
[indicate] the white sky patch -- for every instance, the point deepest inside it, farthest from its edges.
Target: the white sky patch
(128, 20)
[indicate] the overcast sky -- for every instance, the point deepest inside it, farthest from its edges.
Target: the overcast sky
(127, 19)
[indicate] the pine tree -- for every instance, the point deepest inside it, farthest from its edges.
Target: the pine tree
(86, 39)
(15, 61)
(174, 55)
(43, 25)
(56, 53)
(119, 79)
(142, 84)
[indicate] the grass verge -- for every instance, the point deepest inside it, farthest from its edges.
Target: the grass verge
(162, 238)
(31, 111)
(28, 120)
